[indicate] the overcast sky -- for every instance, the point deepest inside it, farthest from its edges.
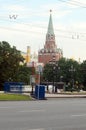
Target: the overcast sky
(29, 26)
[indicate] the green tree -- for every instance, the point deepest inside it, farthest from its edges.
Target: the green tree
(10, 59)
(23, 74)
(69, 71)
(48, 73)
(83, 73)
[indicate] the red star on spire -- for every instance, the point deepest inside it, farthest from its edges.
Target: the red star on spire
(50, 10)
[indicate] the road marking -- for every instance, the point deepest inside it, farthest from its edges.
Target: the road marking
(38, 129)
(4, 107)
(78, 115)
(33, 111)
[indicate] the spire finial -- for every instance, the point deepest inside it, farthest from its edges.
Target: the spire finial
(50, 25)
(50, 10)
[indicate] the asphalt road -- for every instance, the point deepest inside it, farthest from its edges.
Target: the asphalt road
(54, 114)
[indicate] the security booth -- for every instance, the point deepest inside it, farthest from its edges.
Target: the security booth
(13, 87)
(39, 92)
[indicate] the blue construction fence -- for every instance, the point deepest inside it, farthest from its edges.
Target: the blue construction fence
(17, 87)
(13, 87)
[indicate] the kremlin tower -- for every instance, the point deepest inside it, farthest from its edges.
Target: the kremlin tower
(50, 49)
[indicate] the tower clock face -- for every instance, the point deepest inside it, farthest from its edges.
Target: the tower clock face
(50, 37)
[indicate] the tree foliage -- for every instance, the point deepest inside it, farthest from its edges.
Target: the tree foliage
(83, 73)
(10, 59)
(23, 74)
(69, 70)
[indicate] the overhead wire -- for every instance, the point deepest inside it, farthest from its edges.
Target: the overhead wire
(73, 2)
(40, 27)
(72, 33)
(83, 5)
(40, 33)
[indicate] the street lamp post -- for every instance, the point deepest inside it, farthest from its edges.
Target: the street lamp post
(32, 82)
(40, 71)
(61, 77)
(72, 69)
(55, 69)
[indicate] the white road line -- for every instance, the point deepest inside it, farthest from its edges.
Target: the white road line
(33, 111)
(4, 107)
(78, 115)
(38, 129)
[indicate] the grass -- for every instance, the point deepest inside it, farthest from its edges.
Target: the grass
(14, 97)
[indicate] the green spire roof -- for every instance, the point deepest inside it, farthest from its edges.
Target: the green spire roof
(50, 25)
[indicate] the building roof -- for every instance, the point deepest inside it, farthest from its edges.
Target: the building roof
(50, 25)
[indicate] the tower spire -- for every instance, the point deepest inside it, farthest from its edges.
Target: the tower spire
(50, 49)
(50, 25)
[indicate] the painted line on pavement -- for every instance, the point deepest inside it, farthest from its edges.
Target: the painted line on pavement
(78, 115)
(34, 111)
(38, 129)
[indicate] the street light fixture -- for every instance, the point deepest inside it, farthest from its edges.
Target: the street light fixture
(55, 69)
(72, 69)
(61, 77)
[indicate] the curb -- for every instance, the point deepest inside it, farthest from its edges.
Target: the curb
(65, 96)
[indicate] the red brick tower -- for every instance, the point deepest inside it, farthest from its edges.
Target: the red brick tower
(50, 49)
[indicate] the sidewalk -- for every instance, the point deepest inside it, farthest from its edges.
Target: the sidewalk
(47, 95)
